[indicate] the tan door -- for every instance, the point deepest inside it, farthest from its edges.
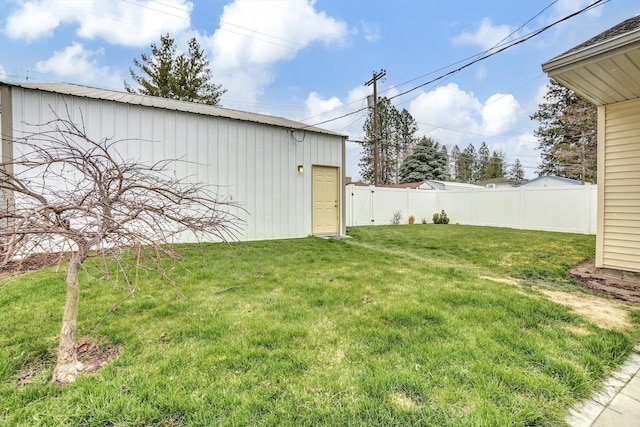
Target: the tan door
(326, 200)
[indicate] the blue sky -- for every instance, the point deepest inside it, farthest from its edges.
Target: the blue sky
(308, 60)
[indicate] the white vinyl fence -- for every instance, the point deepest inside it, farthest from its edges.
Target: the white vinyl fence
(569, 209)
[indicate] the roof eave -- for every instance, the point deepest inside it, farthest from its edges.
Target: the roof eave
(592, 53)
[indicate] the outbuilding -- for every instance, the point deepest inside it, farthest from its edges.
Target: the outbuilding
(288, 176)
(606, 70)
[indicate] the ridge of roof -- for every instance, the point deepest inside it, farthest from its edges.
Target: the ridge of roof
(74, 89)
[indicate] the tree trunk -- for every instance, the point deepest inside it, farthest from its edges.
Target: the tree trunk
(68, 367)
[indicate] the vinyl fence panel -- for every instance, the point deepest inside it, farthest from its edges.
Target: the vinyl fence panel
(569, 209)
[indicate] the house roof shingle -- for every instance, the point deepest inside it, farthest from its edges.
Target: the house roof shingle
(625, 27)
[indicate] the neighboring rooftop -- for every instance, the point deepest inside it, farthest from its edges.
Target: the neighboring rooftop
(166, 104)
(552, 178)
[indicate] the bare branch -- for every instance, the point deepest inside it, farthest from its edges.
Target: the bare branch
(73, 193)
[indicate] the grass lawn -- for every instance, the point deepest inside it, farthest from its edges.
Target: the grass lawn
(400, 325)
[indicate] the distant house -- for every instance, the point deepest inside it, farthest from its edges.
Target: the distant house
(288, 177)
(425, 185)
(447, 185)
(549, 181)
(606, 71)
(498, 183)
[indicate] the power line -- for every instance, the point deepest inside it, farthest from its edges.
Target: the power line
(487, 54)
(450, 65)
(508, 46)
(480, 53)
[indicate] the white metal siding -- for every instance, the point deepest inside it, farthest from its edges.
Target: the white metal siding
(254, 163)
(621, 208)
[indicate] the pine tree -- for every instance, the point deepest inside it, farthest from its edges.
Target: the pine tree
(567, 134)
(395, 141)
(516, 172)
(466, 165)
(158, 68)
(453, 162)
(495, 166)
(406, 127)
(483, 163)
(427, 161)
(193, 77)
(445, 153)
(185, 77)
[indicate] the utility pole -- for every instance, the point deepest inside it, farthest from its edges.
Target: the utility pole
(374, 81)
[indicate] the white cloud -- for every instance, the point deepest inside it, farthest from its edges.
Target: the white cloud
(371, 32)
(319, 109)
(499, 114)
(486, 36)
(253, 36)
(32, 21)
(316, 105)
(523, 147)
(133, 23)
(82, 65)
(454, 116)
(3, 73)
(447, 113)
(444, 108)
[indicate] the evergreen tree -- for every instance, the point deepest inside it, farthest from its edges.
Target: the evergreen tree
(567, 134)
(185, 77)
(466, 165)
(395, 141)
(495, 166)
(483, 162)
(453, 162)
(427, 161)
(445, 154)
(516, 172)
(406, 127)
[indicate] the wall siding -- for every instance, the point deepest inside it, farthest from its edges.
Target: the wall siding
(620, 243)
(254, 164)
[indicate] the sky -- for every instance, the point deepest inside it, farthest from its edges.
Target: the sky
(309, 60)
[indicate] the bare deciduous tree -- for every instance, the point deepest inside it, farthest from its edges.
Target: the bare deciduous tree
(66, 192)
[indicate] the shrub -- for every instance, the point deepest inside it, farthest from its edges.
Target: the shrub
(440, 218)
(412, 219)
(397, 216)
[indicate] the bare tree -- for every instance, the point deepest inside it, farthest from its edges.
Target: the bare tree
(65, 192)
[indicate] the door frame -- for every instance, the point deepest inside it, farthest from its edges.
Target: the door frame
(339, 201)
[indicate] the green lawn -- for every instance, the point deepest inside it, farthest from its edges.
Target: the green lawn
(400, 325)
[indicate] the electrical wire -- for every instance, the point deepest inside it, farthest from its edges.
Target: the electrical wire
(480, 53)
(508, 46)
(450, 65)
(485, 55)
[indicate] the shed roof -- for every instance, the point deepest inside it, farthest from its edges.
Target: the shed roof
(604, 69)
(167, 104)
